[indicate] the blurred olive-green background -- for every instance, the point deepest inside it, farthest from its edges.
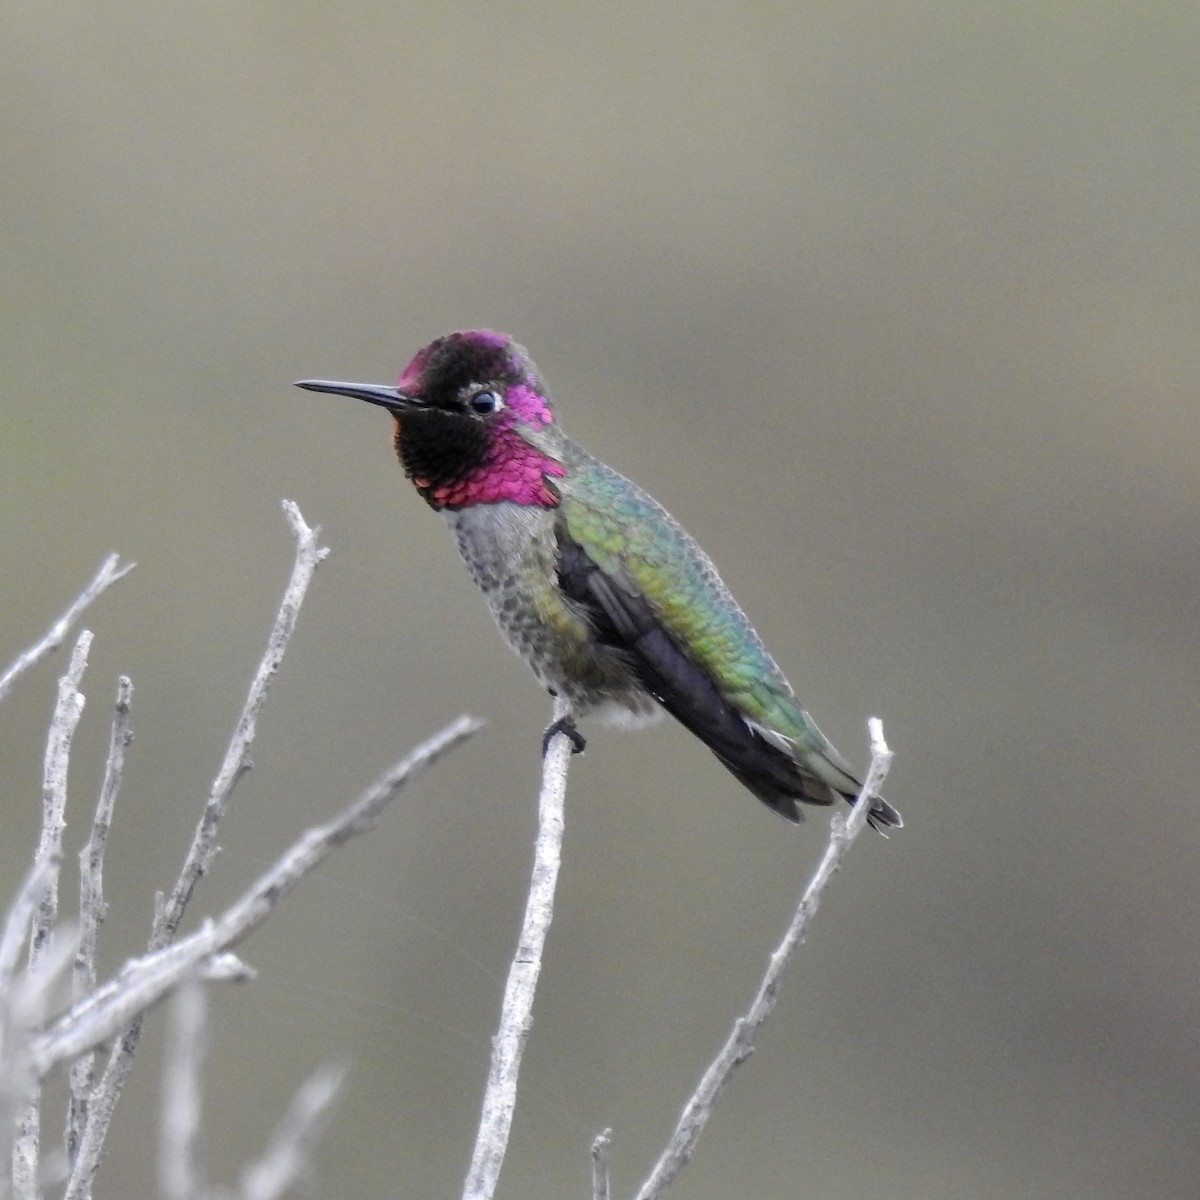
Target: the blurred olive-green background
(894, 305)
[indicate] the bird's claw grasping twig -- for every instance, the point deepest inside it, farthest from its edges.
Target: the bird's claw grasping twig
(564, 725)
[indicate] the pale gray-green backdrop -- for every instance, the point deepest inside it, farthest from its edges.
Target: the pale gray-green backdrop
(894, 305)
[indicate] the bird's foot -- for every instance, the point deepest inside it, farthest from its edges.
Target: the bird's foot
(564, 725)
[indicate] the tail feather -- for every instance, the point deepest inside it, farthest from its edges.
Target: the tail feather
(771, 767)
(779, 782)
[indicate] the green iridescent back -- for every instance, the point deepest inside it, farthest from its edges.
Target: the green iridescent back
(624, 528)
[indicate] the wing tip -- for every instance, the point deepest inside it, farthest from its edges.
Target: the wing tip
(882, 816)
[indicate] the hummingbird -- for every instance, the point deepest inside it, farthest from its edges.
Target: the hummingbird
(614, 606)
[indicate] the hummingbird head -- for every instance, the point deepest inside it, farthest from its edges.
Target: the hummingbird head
(472, 422)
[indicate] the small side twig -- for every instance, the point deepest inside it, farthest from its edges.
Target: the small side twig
(24, 1004)
(27, 1012)
(179, 1176)
(63, 724)
(110, 571)
(107, 1092)
(289, 1153)
(18, 1007)
(309, 556)
(516, 1014)
(17, 923)
(92, 908)
(740, 1043)
(145, 980)
(67, 711)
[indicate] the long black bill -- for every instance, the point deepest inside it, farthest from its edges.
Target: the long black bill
(373, 393)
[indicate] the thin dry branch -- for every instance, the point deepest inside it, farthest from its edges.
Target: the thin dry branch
(92, 909)
(145, 980)
(600, 1148)
(17, 923)
(309, 555)
(26, 1155)
(179, 1176)
(22, 1004)
(110, 571)
(516, 1013)
(290, 1151)
(740, 1043)
(29, 1049)
(67, 711)
(107, 1091)
(21, 1090)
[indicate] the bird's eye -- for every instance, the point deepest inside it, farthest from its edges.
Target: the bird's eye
(484, 403)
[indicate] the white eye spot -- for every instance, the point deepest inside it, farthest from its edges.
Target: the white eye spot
(485, 403)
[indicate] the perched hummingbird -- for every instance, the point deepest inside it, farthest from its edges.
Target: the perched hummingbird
(591, 581)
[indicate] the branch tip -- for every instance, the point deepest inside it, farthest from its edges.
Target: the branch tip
(110, 572)
(739, 1045)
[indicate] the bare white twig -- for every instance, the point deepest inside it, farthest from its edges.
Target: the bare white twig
(145, 980)
(309, 555)
(63, 724)
(179, 1176)
(500, 1095)
(289, 1153)
(740, 1043)
(92, 909)
(16, 1077)
(17, 924)
(110, 571)
(67, 711)
(101, 1106)
(35, 908)
(20, 1089)
(106, 1093)
(600, 1149)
